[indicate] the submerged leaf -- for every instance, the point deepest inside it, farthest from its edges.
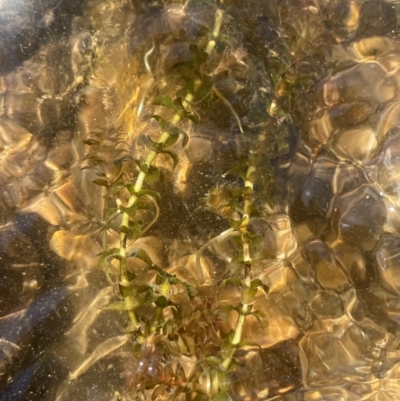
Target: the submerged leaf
(115, 188)
(178, 102)
(175, 132)
(162, 123)
(142, 166)
(173, 155)
(258, 283)
(164, 101)
(110, 212)
(107, 256)
(119, 161)
(141, 254)
(261, 317)
(153, 175)
(195, 119)
(136, 229)
(170, 141)
(145, 140)
(125, 229)
(191, 291)
(161, 301)
(248, 295)
(130, 211)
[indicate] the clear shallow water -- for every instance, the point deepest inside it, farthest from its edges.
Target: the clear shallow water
(329, 225)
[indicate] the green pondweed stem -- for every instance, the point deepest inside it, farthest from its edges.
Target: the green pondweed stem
(124, 282)
(217, 27)
(247, 260)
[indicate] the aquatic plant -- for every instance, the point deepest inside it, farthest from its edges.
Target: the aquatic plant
(185, 334)
(148, 296)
